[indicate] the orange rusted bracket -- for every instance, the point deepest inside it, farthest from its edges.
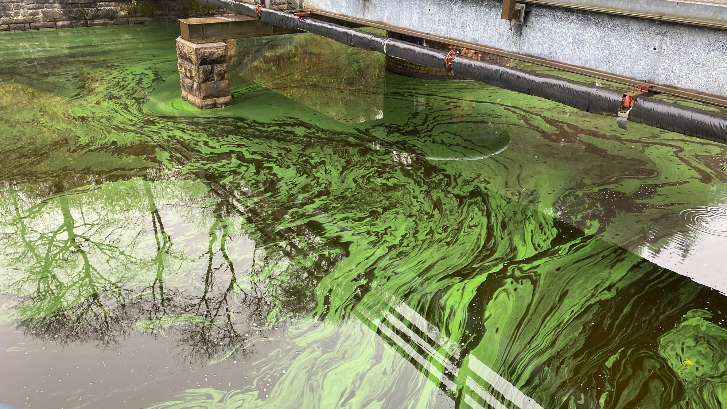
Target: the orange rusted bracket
(303, 14)
(451, 55)
(259, 9)
(627, 103)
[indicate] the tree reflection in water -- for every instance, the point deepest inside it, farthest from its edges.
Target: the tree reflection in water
(73, 300)
(99, 274)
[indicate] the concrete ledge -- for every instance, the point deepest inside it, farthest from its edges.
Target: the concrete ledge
(140, 20)
(38, 26)
(71, 24)
(18, 27)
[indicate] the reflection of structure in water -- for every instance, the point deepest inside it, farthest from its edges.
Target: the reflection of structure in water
(421, 343)
(342, 82)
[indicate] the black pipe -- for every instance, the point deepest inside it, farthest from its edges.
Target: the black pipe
(688, 121)
(578, 95)
(678, 118)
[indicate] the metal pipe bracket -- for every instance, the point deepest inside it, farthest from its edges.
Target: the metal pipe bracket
(627, 103)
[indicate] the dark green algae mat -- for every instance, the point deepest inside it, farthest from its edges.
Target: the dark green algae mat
(342, 237)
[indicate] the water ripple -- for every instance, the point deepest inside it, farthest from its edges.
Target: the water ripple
(709, 219)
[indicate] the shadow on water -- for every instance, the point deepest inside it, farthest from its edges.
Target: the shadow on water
(340, 237)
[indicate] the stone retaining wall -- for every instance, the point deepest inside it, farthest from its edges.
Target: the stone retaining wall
(48, 14)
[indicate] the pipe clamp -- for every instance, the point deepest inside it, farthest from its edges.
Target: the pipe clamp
(451, 55)
(627, 103)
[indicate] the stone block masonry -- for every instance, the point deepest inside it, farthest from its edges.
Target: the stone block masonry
(47, 14)
(203, 74)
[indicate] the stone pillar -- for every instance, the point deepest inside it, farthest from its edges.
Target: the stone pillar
(203, 74)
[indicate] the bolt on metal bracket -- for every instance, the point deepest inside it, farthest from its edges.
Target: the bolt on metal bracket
(518, 16)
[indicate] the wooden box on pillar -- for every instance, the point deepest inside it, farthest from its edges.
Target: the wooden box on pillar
(203, 73)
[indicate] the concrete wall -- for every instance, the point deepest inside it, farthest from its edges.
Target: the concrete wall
(41, 14)
(700, 11)
(665, 53)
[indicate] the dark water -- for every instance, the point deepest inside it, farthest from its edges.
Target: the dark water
(342, 238)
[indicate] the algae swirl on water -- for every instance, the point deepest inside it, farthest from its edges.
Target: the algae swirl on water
(400, 243)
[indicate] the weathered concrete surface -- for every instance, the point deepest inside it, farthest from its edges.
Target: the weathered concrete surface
(666, 53)
(203, 74)
(707, 11)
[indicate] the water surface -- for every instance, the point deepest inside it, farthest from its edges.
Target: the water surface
(342, 237)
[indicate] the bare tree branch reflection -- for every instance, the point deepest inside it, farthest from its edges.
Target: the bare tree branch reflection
(91, 275)
(96, 312)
